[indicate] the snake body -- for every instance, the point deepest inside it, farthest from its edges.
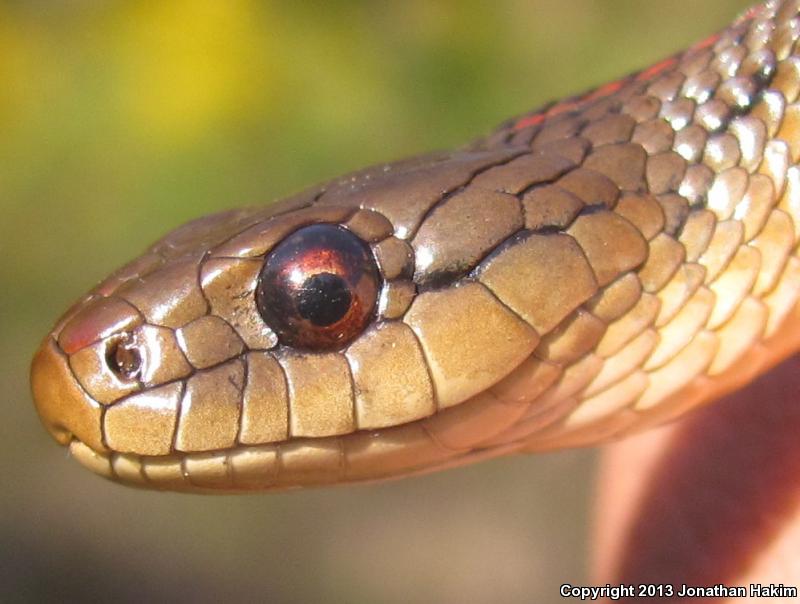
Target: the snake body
(593, 268)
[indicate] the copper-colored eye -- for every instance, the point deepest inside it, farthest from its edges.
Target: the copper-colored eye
(318, 287)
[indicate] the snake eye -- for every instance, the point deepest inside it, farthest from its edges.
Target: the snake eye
(124, 359)
(318, 287)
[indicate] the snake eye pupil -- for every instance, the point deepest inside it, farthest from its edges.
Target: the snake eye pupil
(318, 287)
(324, 299)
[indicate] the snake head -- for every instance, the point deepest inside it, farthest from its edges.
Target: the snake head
(120, 342)
(595, 267)
(590, 269)
(334, 336)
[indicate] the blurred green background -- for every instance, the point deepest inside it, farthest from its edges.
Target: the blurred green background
(120, 120)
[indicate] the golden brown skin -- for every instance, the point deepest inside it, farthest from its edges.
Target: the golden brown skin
(591, 269)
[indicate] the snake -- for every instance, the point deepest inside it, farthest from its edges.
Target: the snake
(601, 265)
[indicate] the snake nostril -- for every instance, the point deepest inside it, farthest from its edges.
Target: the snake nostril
(124, 358)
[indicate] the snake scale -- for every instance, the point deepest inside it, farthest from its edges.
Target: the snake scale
(593, 268)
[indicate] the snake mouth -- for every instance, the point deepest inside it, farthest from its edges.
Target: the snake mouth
(60, 434)
(281, 467)
(363, 456)
(250, 468)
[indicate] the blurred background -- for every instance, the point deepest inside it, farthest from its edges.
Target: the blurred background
(121, 120)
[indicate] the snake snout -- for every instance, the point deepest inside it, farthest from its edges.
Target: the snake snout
(72, 376)
(65, 409)
(46, 401)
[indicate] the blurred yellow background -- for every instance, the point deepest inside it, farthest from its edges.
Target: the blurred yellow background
(120, 120)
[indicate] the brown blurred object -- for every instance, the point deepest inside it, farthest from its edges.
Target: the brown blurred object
(710, 500)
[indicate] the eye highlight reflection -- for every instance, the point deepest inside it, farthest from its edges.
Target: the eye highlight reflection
(318, 287)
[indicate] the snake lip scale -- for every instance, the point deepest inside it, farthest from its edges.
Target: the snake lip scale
(590, 269)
